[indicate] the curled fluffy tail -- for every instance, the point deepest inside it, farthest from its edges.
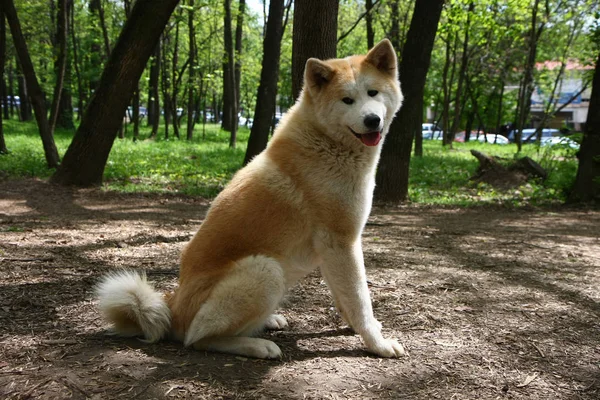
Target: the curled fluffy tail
(130, 303)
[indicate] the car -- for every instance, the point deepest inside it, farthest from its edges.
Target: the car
(529, 135)
(559, 140)
(431, 131)
(492, 138)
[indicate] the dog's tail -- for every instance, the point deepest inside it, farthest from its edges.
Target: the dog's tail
(133, 306)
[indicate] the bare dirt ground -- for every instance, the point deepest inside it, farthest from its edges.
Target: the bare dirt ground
(490, 303)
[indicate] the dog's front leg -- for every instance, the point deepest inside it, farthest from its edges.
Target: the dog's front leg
(344, 271)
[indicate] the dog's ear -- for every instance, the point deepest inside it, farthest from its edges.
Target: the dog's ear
(317, 74)
(383, 57)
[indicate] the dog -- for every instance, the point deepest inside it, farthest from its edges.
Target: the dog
(299, 205)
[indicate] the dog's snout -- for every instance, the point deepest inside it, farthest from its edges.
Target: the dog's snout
(372, 121)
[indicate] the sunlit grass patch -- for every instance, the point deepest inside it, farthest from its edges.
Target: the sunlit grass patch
(203, 166)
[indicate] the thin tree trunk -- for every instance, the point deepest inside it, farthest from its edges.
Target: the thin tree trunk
(165, 86)
(461, 77)
(232, 110)
(314, 35)
(192, 72)
(11, 88)
(369, 22)
(154, 92)
(37, 97)
(267, 89)
(86, 157)
(174, 81)
(392, 173)
(527, 86)
(3, 149)
(239, 28)
(76, 65)
(61, 60)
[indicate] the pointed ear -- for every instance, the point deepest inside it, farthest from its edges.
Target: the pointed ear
(383, 57)
(317, 74)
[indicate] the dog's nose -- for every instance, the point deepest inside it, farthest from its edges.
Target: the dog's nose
(372, 121)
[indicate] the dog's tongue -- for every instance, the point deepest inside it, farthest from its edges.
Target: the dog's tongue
(371, 139)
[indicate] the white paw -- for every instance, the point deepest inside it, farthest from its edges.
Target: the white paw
(276, 322)
(265, 349)
(387, 348)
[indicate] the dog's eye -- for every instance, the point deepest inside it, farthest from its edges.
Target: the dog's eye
(348, 100)
(372, 93)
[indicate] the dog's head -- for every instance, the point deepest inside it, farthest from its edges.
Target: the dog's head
(356, 97)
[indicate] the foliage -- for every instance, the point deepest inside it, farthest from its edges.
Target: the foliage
(202, 167)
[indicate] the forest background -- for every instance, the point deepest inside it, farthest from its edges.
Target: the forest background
(487, 60)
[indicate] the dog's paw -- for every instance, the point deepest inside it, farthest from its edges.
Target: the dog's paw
(276, 322)
(265, 349)
(388, 348)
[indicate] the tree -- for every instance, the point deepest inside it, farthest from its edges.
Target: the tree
(267, 89)
(192, 72)
(587, 181)
(61, 62)
(35, 92)
(392, 173)
(84, 162)
(3, 149)
(231, 112)
(315, 35)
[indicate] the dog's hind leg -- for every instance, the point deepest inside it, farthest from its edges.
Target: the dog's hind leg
(240, 305)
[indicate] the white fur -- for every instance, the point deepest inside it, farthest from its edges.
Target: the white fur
(250, 293)
(128, 293)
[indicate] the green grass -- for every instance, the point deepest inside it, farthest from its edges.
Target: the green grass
(203, 166)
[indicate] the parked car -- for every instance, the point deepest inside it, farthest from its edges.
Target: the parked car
(492, 138)
(560, 140)
(431, 131)
(529, 135)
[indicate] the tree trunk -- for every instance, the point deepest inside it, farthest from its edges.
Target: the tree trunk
(76, 64)
(314, 35)
(11, 87)
(174, 85)
(3, 149)
(239, 28)
(527, 86)
(154, 93)
(461, 77)
(86, 157)
(232, 110)
(392, 173)
(587, 181)
(36, 95)
(192, 73)
(369, 22)
(61, 60)
(267, 89)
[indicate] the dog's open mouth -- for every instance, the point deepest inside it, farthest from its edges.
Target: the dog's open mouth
(369, 138)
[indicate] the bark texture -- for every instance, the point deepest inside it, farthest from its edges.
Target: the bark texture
(315, 35)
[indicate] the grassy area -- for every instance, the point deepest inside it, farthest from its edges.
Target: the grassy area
(203, 166)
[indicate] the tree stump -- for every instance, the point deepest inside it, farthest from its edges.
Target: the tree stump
(499, 175)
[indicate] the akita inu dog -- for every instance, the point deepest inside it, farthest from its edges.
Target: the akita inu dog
(301, 204)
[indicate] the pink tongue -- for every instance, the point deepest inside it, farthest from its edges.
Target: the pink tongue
(371, 139)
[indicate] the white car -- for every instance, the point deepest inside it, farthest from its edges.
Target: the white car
(430, 131)
(493, 139)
